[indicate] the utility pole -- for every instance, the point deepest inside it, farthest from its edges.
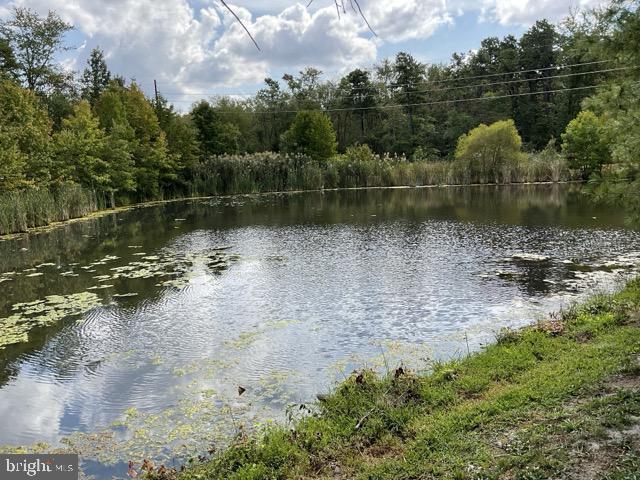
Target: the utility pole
(155, 88)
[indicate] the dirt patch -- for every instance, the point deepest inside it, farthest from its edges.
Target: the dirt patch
(621, 382)
(601, 454)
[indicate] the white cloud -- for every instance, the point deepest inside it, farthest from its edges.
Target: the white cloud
(196, 45)
(397, 20)
(182, 45)
(297, 37)
(34, 407)
(526, 12)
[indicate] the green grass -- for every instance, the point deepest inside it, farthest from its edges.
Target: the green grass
(527, 407)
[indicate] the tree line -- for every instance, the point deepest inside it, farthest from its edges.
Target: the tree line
(513, 97)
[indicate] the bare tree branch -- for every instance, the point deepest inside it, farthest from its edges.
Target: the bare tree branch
(241, 23)
(338, 3)
(364, 17)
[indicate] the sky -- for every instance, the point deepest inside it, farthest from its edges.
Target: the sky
(195, 48)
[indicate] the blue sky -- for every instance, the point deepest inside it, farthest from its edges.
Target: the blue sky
(195, 46)
(464, 35)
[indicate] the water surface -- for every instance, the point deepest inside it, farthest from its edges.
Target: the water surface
(160, 313)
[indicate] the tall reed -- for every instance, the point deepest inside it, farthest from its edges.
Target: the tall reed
(359, 167)
(270, 172)
(36, 207)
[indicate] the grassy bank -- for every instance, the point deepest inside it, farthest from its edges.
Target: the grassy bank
(560, 399)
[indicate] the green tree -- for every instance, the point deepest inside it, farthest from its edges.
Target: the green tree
(118, 155)
(489, 151)
(35, 41)
(95, 77)
(60, 103)
(181, 135)
(110, 106)
(585, 144)
(12, 162)
(311, 134)
(271, 125)
(359, 93)
(305, 88)
(236, 116)
(535, 115)
(127, 108)
(24, 137)
(8, 62)
(155, 168)
(79, 147)
(409, 89)
(215, 136)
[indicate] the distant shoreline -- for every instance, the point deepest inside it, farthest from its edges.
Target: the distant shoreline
(151, 203)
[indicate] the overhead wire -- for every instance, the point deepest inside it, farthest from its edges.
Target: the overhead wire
(418, 104)
(458, 87)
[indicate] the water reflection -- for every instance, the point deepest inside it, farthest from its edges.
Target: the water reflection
(277, 293)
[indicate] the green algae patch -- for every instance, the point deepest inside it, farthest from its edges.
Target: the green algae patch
(246, 339)
(43, 313)
(243, 340)
(200, 418)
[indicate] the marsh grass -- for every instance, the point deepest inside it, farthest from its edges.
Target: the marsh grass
(360, 167)
(275, 172)
(25, 209)
(524, 407)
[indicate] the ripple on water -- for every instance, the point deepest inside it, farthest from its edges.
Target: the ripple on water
(315, 292)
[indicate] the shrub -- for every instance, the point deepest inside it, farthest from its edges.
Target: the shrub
(311, 134)
(585, 145)
(490, 152)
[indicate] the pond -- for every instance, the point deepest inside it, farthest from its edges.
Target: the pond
(128, 336)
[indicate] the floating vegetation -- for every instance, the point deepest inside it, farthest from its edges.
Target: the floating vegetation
(530, 257)
(177, 433)
(272, 387)
(172, 264)
(246, 339)
(100, 287)
(42, 313)
(277, 324)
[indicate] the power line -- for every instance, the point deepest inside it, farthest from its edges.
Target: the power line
(446, 62)
(421, 104)
(458, 87)
(472, 77)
